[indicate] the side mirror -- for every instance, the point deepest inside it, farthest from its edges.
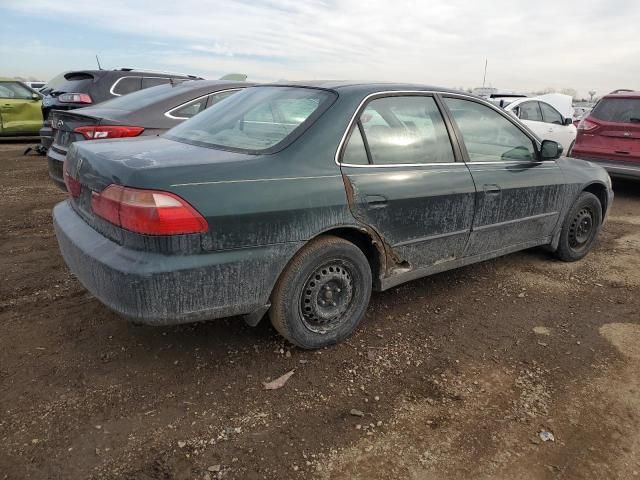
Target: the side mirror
(568, 121)
(35, 96)
(550, 150)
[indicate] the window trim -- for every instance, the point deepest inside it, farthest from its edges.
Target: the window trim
(168, 113)
(355, 119)
(132, 76)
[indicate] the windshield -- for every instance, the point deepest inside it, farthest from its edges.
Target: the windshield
(144, 98)
(623, 110)
(259, 119)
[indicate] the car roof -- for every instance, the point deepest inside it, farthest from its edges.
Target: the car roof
(133, 71)
(188, 85)
(364, 86)
(623, 95)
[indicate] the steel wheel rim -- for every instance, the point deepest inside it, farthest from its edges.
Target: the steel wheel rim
(327, 296)
(581, 229)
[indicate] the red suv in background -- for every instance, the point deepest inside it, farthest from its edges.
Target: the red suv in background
(610, 135)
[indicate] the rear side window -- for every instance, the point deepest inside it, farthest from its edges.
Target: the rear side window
(530, 111)
(488, 136)
(188, 110)
(622, 110)
(154, 81)
(550, 114)
(355, 152)
(406, 130)
(125, 85)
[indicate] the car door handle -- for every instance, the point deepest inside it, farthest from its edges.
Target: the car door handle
(376, 201)
(492, 189)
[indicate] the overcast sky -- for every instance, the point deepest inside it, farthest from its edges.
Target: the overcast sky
(587, 44)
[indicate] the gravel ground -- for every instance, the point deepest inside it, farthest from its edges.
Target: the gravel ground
(452, 376)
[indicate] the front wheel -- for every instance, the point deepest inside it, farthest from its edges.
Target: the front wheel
(323, 294)
(580, 228)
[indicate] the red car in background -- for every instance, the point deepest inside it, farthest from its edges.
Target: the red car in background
(610, 135)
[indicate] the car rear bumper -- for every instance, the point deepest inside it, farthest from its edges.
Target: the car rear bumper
(55, 162)
(615, 168)
(160, 289)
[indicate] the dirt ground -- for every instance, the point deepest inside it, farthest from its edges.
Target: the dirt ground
(453, 376)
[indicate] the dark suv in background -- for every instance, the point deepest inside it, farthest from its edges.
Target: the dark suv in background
(610, 134)
(87, 87)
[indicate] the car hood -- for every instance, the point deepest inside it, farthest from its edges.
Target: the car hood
(148, 162)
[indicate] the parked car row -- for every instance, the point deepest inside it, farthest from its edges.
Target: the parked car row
(299, 199)
(150, 111)
(71, 90)
(196, 199)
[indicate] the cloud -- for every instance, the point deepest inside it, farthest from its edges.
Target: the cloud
(529, 45)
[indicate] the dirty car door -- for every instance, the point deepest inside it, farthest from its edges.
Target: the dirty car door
(519, 196)
(399, 164)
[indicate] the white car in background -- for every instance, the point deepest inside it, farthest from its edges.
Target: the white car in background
(549, 116)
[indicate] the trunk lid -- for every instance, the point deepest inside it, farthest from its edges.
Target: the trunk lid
(63, 123)
(145, 162)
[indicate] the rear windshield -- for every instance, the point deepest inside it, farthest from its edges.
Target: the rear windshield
(259, 119)
(144, 98)
(623, 110)
(69, 82)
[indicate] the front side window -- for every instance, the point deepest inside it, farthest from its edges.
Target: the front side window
(530, 111)
(406, 130)
(488, 136)
(126, 85)
(14, 90)
(550, 114)
(258, 119)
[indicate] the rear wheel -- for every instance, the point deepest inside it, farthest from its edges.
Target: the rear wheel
(580, 228)
(323, 294)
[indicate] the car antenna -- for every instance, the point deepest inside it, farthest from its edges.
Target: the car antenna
(98, 60)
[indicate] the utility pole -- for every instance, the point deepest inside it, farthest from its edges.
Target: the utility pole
(484, 79)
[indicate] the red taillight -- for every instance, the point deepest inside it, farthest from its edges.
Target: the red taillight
(95, 132)
(587, 125)
(148, 212)
(73, 186)
(75, 98)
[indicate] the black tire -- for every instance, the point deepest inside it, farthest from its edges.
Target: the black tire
(580, 228)
(323, 293)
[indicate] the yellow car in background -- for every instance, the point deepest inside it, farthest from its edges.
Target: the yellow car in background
(20, 109)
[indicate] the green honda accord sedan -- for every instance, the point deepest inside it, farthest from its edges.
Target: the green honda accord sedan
(298, 200)
(20, 109)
